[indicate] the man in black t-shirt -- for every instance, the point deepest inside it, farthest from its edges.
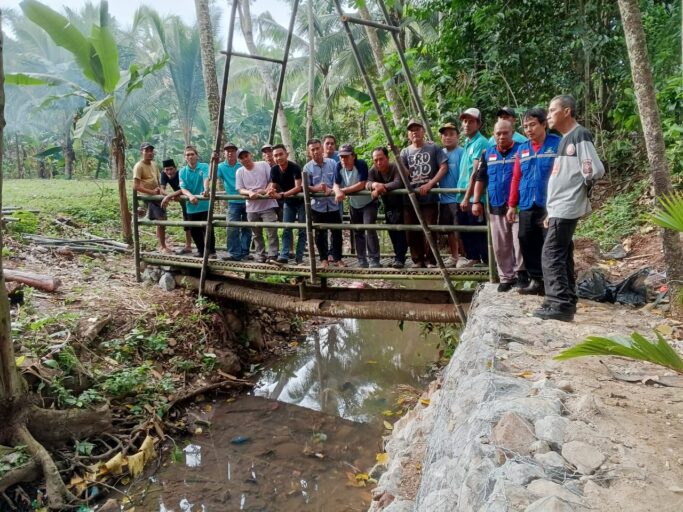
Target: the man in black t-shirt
(285, 179)
(169, 176)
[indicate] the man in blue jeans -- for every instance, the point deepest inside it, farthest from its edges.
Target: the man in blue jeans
(285, 177)
(239, 239)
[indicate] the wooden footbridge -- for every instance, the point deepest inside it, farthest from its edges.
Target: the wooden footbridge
(310, 289)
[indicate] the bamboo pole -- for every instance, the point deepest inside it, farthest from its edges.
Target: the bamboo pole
(217, 149)
(136, 237)
(283, 67)
(309, 224)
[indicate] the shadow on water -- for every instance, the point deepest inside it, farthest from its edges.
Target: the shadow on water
(315, 425)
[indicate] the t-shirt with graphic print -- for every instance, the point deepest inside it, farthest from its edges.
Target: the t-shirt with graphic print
(423, 163)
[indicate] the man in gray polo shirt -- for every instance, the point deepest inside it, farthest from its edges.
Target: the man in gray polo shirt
(576, 168)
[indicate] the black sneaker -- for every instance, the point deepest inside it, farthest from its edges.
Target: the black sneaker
(375, 264)
(282, 260)
(505, 287)
(522, 279)
(535, 287)
(272, 260)
(553, 313)
(398, 264)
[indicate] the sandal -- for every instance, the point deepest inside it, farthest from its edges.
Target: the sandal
(339, 263)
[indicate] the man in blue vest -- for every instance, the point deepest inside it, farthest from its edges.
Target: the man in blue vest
(576, 167)
(495, 173)
(533, 163)
(508, 114)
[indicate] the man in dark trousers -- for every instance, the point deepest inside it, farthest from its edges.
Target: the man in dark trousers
(576, 168)
(533, 163)
(169, 176)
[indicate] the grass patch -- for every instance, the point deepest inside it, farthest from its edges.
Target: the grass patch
(619, 217)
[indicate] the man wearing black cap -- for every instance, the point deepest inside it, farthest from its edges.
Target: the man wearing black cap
(170, 176)
(508, 114)
(146, 181)
(239, 239)
(426, 164)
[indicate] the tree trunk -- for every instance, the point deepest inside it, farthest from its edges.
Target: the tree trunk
(42, 170)
(389, 91)
(69, 155)
(311, 70)
(271, 87)
(208, 61)
(118, 151)
(641, 72)
(20, 162)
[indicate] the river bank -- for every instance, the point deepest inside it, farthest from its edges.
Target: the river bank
(509, 428)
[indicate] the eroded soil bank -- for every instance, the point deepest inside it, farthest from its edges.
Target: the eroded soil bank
(509, 428)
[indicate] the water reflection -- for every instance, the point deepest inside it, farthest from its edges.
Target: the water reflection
(351, 369)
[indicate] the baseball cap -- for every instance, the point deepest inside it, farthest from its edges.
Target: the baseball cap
(241, 151)
(266, 147)
(448, 126)
(230, 145)
(471, 112)
(345, 150)
(146, 145)
(413, 122)
(168, 163)
(506, 111)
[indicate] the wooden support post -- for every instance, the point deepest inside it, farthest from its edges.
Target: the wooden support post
(309, 225)
(136, 237)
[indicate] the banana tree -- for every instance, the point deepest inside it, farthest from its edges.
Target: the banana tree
(97, 58)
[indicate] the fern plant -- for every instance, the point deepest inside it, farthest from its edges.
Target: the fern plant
(670, 213)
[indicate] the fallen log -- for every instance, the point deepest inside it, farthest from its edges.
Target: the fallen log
(39, 281)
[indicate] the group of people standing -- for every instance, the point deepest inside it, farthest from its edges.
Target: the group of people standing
(536, 187)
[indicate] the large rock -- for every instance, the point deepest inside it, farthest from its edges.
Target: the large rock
(513, 434)
(550, 459)
(546, 488)
(551, 504)
(167, 282)
(551, 429)
(585, 457)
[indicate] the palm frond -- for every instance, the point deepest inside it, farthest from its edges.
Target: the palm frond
(670, 213)
(635, 347)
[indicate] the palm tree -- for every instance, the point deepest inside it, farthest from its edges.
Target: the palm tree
(97, 58)
(208, 54)
(182, 46)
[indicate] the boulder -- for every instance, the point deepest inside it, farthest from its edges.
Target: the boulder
(585, 457)
(513, 434)
(167, 282)
(551, 429)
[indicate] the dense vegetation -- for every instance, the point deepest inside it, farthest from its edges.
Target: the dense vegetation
(463, 53)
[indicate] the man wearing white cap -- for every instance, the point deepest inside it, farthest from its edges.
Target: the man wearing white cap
(473, 144)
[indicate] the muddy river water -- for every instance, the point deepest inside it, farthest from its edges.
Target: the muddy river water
(309, 433)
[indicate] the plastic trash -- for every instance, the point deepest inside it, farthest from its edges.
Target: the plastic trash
(631, 290)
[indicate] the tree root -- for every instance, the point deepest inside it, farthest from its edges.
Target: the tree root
(53, 427)
(59, 497)
(205, 389)
(26, 473)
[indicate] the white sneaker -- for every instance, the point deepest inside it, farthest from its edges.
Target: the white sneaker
(450, 262)
(463, 262)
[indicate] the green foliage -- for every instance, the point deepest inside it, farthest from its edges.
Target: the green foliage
(636, 347)
(670, 215)
(616, 219)
(27, 223)
(448, 334)
(137, 343)
(127, 381)
(13, 458)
